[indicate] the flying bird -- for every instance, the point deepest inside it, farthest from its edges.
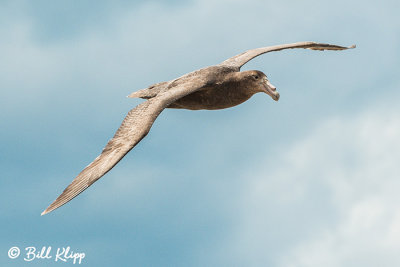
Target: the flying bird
(214, 87)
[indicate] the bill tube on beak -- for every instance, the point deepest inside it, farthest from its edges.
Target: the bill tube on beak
(271, 90)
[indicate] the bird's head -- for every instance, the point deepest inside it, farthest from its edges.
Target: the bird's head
(258, 82)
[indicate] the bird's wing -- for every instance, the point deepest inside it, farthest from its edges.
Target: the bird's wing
(133, 129)
(241, 59)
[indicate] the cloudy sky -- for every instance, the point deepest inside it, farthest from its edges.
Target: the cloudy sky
(311, 180)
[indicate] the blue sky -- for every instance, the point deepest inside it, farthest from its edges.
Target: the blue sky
(311, 180)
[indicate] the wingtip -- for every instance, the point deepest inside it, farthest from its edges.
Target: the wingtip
(353, 46)
(48, 210)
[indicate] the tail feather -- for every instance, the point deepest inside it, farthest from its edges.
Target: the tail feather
(139, 94)
(150, 91)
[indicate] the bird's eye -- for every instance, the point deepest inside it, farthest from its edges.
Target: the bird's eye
(255, 77)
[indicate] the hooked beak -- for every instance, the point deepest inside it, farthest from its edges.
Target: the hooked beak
(271, 91)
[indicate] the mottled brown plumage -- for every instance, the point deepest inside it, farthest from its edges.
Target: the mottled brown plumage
(216, 87)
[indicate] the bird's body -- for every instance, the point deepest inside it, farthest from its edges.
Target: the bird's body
(220, 87)
(215, 87)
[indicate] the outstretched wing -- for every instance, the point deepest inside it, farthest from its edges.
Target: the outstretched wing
(241, 59)
(133, 129)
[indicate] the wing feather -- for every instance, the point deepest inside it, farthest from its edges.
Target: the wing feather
(133, 129)
(241, 59)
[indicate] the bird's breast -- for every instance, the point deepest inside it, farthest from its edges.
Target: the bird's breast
(213, 97)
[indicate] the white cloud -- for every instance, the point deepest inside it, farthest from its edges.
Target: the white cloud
(330, 200)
